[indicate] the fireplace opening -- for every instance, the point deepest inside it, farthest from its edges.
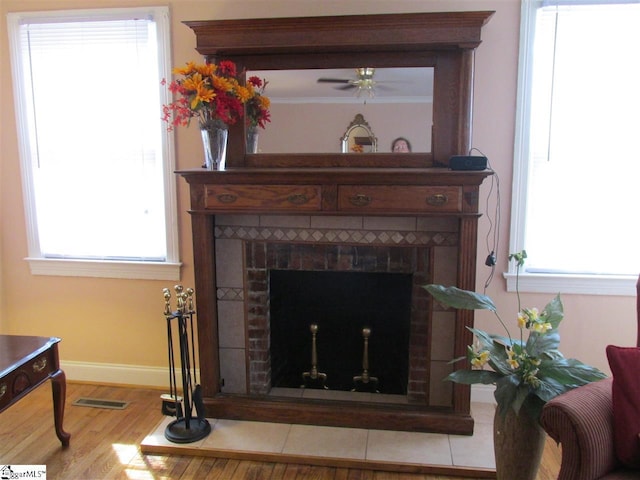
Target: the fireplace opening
(341, 304)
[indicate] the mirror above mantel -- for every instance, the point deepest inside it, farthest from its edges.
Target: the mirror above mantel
(309, 108)
(442, 43)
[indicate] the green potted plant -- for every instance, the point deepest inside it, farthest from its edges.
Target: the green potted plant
(527, 372)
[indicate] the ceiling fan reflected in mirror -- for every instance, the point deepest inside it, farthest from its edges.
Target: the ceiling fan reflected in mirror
(363, 82)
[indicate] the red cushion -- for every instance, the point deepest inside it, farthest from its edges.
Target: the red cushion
(625, 366)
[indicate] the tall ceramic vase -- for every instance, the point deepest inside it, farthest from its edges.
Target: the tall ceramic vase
(518, 442)
(252, 139)
(214, 140)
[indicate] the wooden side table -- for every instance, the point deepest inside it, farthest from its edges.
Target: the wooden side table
(25, 363)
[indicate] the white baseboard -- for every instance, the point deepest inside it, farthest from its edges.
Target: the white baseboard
(483, 393)
(117, 374)
(141, 375)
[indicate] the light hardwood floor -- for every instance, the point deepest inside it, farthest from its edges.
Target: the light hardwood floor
(105, 444)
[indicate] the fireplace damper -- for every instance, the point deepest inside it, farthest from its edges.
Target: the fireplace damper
(341, 305)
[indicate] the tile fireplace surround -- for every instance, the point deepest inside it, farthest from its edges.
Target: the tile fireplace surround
(247, 246)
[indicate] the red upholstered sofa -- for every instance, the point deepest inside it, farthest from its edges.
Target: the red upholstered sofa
(581, 420)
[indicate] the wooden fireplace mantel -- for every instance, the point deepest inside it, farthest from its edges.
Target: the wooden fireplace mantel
(380, 192)
(368, 184)
(335, 191)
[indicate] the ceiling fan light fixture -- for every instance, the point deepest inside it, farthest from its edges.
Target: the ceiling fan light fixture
(365, 82)
(366, 88)
(365, 73)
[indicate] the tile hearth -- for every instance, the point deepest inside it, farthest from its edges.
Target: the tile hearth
(465, 456)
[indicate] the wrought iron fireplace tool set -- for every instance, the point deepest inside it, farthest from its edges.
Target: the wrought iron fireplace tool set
(185, 428)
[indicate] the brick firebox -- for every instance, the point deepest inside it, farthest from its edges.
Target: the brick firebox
(426, 251)
(260, 257)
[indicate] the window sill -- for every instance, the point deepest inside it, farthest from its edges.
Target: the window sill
(567, 283)
(105, 268)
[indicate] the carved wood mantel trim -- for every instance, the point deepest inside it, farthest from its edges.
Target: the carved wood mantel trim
(346, 33)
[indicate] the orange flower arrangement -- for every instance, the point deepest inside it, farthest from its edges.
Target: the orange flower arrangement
(257, 106)
(209, 92)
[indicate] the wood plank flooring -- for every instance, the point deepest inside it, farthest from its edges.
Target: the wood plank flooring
(104, 444)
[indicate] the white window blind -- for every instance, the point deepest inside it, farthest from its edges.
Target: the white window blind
(575, 198)
(97, 155)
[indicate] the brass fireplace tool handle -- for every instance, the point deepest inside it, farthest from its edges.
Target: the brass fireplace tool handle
(313, 377)
(365, 382)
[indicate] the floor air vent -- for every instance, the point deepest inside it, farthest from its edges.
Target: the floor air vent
(100, 403)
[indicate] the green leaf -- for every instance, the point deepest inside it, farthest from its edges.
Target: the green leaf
(506, 392)
(456, 360)
(469, 377)
(539, 344)
(549, 388)
(533, 406)
(570, 372)
(554, 312)
(562, 375)
(502, 341)
(519, 257)
(522, 392)
(552, 356)
(458, 298)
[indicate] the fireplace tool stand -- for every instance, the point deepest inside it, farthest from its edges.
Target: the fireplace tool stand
(185, 428)
(365, 382)
(314, 378)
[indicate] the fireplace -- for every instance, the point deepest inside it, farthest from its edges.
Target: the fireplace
(320, 321)
(279, 275)
(272, 229)
(410, 204)
(351, 288)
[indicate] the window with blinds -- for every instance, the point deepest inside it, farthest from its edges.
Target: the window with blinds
(577, 166)
(97, 160)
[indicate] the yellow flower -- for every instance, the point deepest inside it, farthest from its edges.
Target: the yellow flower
(541, 327)
(243, 93)
(522, 320)
(265, 103)
(189, 68)
(206, 70)
(511, 360)
(531, 378)
(222, 84)
(480, 359)
(203, 94)
(193, 83)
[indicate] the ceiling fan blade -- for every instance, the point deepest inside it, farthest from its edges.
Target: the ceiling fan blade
(391, 81)
(346, 87)
(333, 80)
